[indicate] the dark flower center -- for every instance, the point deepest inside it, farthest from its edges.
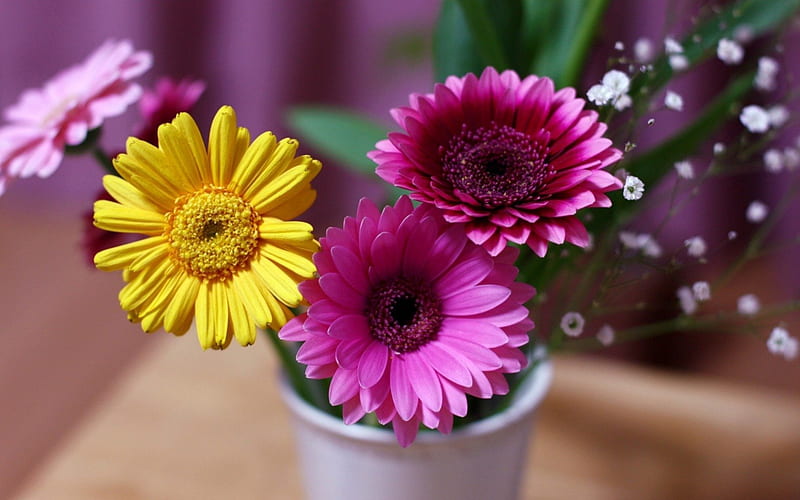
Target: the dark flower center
(404, 314)
(497, 164)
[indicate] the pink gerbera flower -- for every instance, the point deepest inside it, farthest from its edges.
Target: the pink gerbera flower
(61, 113)
(407, 317)
(512, 159)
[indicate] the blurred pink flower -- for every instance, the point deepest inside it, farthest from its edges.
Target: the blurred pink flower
(408, 317)
(44, 121)
(512, 160)
(161, 103)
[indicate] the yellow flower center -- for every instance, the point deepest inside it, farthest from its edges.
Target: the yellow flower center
(212, 233)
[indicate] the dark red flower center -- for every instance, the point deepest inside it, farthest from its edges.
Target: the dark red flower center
(497, 164)
(404, 314)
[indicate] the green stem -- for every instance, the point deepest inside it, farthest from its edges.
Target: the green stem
(311, 391)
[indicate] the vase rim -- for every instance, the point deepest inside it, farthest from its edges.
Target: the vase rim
(526, 399)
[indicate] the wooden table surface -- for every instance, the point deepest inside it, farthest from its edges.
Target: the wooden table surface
(94, 409)
(186, 424)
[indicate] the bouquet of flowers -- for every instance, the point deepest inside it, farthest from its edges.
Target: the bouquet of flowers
(514, 187)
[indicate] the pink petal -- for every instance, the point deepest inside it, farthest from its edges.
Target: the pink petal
(337, 289)
(465, 274)
(350, 267)
(444, 362)
(352, 411)
(348, 352)
(405, 432)
(403, 395)
(350, 327)
(475, 300)
(317, 351)
(424, 381)
(344, 386)
(477, 331)
(372, 364)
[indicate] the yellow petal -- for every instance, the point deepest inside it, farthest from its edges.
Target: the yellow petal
(112, 216)
(253, 297)
(127, 194)
(290, 208)
(219, 307)
(279, 162)
(179, 313)
(298, 264)
(242, 143)
(203, 315)
(222, 145)
(253, 159)
(277, 230)
(119, 257)
(286, 185)
(194, 140)
(180, 157)
(280, 314)
(148, 257)
(243, 327)
(147, 161)
(278, 282)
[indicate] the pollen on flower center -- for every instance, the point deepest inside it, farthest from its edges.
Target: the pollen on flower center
(212, 233)
(497, 165)
(404, 314)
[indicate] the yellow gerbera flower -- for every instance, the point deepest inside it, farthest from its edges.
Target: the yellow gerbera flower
(220, 244)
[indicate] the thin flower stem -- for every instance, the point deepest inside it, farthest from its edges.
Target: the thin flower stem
(104, 160)
(752, 250)
(685, 323)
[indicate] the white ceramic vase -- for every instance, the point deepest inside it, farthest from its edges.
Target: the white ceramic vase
(482, 461)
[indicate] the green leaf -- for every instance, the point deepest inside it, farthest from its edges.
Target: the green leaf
(568, 30)
(454, 51)
(483, 31)
(343, 136)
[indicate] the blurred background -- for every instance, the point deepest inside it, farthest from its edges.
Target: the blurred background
(65, 340)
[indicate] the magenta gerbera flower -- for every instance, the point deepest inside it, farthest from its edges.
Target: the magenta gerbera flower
(512, 159)
(408, 317)
(161, 103)
(61, 113)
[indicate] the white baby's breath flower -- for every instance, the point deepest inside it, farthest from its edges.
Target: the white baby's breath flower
(748, 305)
(617, 81)
(671, 46)
(623, 102)
(643, 50)
(599, 94)
(605, 335)
(572, 323)
(778, 116)
(756, 212)
(701, 291)
(695, 246)
(755, 118)
(685, 169)
(729, 51)
(791, 158)
(773, 161)
(686, 300)
(629, 239)
(790, 349)
(732, 235)
(678, 62)
(650, 247)
(780, 343)
(673, 101)
(767, 71)
(619, 46)
(719, 148)
(633, 189)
